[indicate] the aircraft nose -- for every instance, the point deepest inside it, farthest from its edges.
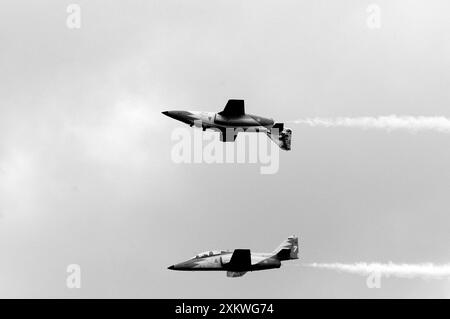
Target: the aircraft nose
(171, 267)
(183, 116)
(173, 114)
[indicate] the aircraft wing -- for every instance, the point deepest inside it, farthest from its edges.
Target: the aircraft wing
(233, 108)
(234, 274)
(240, 261)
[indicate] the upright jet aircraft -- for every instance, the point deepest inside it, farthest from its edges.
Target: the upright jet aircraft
(236, 263)
(233, 120)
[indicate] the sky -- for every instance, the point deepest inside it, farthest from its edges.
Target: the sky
(87, 178)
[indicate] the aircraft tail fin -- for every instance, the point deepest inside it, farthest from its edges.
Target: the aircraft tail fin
(288, 249)
(279, 126)
(233, 108)
(281, 136)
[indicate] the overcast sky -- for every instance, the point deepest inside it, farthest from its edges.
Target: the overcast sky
(86, 175)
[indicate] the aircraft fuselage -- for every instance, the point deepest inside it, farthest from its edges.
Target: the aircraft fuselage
(220, 261)
(240, 261)
(233, 120)
(215, 120)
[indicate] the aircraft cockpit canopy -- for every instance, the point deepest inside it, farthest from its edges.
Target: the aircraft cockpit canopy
(209, 253)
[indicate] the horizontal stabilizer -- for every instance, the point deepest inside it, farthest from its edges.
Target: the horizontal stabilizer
(233, 108)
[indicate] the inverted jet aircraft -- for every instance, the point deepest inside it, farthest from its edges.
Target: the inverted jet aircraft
(233, 120)
(240, 261)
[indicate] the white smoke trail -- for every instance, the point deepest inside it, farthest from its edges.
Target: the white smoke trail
(388, 123)
(424, 271)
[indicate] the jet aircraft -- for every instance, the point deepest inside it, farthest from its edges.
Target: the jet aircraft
(240, 261)
(232, 120)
